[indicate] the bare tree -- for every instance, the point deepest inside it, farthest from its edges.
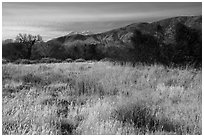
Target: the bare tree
(28, 41)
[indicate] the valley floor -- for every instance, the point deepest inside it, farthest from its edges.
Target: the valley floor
(100, 98)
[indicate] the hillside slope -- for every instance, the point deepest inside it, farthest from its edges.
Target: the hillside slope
(166, 29)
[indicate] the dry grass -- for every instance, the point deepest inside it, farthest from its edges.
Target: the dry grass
(100, 98)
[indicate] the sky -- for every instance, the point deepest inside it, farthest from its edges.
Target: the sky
(52, 20)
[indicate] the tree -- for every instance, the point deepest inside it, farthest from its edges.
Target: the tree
(13, 51)
(7, 41)
(28, 41)
(188, 45)
(56, 50)
(146, 47)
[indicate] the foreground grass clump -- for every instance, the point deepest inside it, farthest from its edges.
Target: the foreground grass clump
(100, 98)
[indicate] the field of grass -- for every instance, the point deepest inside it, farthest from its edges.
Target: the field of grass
(100, 98)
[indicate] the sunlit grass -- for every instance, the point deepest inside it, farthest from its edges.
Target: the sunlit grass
(100, 98)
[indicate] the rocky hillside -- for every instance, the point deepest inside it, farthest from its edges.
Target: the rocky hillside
(163, 29)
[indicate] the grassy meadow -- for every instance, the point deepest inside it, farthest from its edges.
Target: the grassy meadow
(100, 98)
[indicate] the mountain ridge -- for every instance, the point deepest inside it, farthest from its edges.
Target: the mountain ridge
(123, 34)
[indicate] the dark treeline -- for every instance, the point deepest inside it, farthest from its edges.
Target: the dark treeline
(146, 48)
(186, 50)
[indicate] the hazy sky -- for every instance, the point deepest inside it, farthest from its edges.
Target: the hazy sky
(56, 19)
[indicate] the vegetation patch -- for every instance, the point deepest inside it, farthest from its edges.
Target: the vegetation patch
(106, 99)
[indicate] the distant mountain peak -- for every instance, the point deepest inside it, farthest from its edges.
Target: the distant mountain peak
(85, 32)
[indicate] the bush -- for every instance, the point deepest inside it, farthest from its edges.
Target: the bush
(49, 60)
(107, 60)
(86, 85)
(4, 61)
(22, 61)
(69, 60)
(33, 61)
(31, 78)
(140, 113)
(80, 60)
(91, 61)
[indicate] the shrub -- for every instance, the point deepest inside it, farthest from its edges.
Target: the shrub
(69, 60)
(22, 61)
(80, 60)
(17, 61)
(4, 61)
(31, 78)
(141, 114)
(33, 61)
(107, 60)
(86, 85)
(49, 60)
(91, 61)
